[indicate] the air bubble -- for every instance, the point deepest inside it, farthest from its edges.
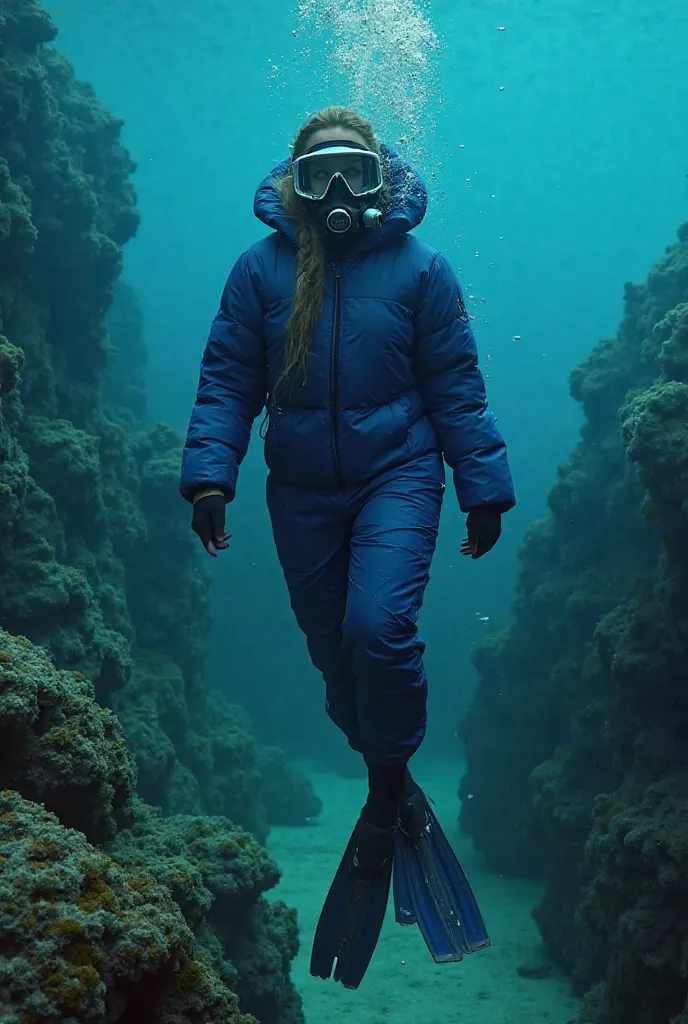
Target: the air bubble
(385, 51)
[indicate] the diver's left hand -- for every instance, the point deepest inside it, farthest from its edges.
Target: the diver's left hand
(484, 528)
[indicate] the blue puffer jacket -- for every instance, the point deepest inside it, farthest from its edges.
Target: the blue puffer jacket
(392, 373)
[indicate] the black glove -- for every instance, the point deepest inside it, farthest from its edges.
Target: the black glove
(208, 522)
(484, 528)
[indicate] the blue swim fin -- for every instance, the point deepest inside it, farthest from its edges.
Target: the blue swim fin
(351, 918)
(432, 891)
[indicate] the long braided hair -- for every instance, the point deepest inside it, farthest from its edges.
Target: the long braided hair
(310, 272)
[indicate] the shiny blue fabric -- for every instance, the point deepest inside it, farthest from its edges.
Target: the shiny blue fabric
(355, 451)
(400, 380)
(357, 562)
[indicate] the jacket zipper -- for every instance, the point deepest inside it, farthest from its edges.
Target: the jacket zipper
(334, 377)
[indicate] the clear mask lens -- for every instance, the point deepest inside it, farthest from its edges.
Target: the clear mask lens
(359, 169)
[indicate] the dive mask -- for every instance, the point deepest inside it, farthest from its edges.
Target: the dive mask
(339, 181)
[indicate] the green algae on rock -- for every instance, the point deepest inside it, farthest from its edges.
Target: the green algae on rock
(576, 738)
(86, 486)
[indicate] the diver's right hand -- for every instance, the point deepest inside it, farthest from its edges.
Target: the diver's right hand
(208, 522)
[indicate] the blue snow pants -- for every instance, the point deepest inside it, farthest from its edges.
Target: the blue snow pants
(356, 562)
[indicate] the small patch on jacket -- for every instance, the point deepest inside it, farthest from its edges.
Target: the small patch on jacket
(462, 312)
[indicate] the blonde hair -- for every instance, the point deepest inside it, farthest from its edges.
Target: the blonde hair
(310, 269)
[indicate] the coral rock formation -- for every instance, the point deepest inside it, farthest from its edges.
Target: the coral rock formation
(576, 739)
(109, 911)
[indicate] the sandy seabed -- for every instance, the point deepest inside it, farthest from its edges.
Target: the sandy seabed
(402, 983)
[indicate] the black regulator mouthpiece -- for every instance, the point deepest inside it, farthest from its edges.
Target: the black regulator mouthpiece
(341, 213)
(342, 220)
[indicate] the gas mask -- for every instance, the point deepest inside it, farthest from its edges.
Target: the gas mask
(340, 184)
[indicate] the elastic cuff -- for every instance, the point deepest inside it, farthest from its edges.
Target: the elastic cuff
(206, 493)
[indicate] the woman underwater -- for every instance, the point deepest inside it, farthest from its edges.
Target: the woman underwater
(353, 334)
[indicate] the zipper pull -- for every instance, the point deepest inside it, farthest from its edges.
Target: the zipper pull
(337, 269)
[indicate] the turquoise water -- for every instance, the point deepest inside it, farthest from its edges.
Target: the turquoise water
(577, 172)
(552, 138)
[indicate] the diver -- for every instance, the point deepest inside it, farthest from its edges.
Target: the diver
(353, 336)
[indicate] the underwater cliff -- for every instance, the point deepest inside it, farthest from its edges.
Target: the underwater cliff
(134, 803)
(576, 739)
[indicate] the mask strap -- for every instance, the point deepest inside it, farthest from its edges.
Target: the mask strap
(344, 143)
